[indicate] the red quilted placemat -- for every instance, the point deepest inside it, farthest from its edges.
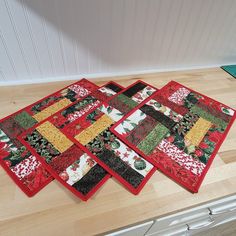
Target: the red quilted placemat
(23, 167)
(178, 130)
(89, 129)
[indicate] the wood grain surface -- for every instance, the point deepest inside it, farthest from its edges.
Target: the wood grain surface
(56, 211)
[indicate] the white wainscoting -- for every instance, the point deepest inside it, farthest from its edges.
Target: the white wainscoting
(48, 40)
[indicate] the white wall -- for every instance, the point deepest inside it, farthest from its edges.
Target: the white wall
(58, 39)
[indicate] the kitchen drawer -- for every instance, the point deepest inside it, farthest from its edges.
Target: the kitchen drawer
(223, 207)
(224, 218)
(212, 222)
(178, 219)
(198, 218)
(188, 222)
(138, 230)
(171, 231)
(200, 225)
(223, 229)
(219, 214)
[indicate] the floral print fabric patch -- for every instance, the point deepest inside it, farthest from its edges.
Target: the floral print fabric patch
(183, 135)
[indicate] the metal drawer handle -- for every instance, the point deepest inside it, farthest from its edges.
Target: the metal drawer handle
(201, 226)
(221, 212)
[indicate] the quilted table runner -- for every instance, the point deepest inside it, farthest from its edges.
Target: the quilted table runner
(20, 163)
(87, 123)
(178, 130)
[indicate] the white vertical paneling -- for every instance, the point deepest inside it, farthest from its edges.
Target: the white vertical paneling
(93, 34)
(2, 76)
(227, 35)
(117, 19)
(104, 36)
(180, 37)
(81, 34)
(49, 40)
(24, 37)
(127, 35)
(175, 12)
(160, 31)
(64, 8)
(10, 42)
(7, 66)
(139, 26)
(193, 30)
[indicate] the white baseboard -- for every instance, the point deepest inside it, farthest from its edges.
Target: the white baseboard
(100, 75)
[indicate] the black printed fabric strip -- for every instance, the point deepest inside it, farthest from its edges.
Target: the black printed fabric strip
(166, 121)
(134, 89)
(90, 180)
(106, 147)
(120, 167)
(113, 87)
(131, 97)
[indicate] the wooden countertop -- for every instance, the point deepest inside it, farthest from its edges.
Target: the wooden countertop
(56, 211)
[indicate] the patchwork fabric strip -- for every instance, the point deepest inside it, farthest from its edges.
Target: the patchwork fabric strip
(178, 130)
(89, 132)
(26, 170)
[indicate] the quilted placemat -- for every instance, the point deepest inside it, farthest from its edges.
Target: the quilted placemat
(179, 131)
(86, 176)
(21, 165)
(88, 128)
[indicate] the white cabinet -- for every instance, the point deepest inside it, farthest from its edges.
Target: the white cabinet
(196, 220)
(190, 222)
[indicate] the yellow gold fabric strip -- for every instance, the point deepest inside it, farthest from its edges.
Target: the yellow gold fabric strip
(54, 136)
(198, 131)
(51, 109)
(95, 129)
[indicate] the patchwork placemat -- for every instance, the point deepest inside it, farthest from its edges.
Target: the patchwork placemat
(178, 130)
(23, 167)
(88, 127)
(62, 158)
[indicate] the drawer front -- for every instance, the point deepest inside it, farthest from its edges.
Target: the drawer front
(198, 218)
(138, 230)
(224, 218)
(200, 225)
(223, 207)
(172, 231)
(189, 222)
(178, 220)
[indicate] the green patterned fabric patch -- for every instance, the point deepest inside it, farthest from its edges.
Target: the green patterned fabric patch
(215, 120)
(127, 101)
(25, 120)
(153, 138)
